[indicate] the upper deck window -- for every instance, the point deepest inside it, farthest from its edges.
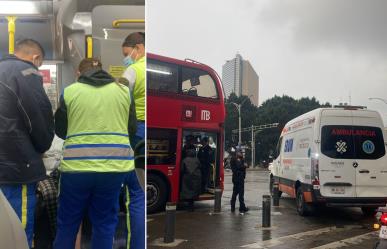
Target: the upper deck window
(169, 77)
(162, 76)
(196, 82)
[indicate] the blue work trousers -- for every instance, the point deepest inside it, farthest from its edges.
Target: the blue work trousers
(135, 202)
(23, 200)
(94, 193)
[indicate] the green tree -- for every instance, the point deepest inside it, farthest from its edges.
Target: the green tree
(275, 110)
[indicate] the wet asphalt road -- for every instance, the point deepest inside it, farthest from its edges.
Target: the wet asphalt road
(330, 228)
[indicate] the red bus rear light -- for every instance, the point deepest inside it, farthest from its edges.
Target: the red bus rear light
(383, 219)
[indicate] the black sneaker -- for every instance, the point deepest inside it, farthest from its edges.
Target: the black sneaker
(232, 209)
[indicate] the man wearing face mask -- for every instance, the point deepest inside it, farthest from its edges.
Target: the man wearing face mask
(26, 129)
(133, 48)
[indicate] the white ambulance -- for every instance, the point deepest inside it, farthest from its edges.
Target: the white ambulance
(333, 156)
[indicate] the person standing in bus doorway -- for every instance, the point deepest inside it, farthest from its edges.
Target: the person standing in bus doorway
(133, 48)
(93, 118)
(188, 145)
(26, 129)
(205, 157)
(191, 178)
(238, 167)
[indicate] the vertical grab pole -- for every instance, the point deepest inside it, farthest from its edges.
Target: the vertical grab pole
(89, 47)
(11, 34)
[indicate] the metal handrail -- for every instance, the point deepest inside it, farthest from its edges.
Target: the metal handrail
(116, 23)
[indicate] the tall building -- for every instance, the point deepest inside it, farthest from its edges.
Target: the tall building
(239, 77)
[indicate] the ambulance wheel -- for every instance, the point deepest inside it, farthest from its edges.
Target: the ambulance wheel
(156, 193)
(368, 211)
(303, 208)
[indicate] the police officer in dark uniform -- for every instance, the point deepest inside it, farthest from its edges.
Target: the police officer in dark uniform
(238, 168)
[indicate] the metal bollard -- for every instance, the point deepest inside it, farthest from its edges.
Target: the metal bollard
(218, 201)
(266, 208)
(275, 194)
(169, 233)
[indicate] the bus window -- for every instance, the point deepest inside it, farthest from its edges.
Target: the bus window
(162, 76)
(161, 146)
(197, 82)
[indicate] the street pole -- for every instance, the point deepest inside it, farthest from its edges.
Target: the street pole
(252, 146)
(240, 127)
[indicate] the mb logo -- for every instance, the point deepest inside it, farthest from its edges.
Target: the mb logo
(206, 115)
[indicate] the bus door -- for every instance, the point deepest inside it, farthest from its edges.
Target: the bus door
(195, 139)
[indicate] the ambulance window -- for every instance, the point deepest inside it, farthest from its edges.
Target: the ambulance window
(278, 148)
(336, 141)
(162, 76)
(196, 82)
(369, 142)
(352, 142)
(161, 146)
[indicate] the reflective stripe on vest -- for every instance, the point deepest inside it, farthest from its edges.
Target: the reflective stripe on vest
(139, 88)
(98, 151)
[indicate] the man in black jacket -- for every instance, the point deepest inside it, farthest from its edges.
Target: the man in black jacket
(205, 155)
(26, 129)
(238, 168)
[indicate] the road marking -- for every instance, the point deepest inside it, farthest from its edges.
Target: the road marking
(298, 236)
(160, 242)
(348, 242)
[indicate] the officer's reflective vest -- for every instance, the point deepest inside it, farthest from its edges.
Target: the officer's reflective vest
(139, 88)
(97, 131)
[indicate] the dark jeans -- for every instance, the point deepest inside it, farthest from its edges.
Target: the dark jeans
(238, 190)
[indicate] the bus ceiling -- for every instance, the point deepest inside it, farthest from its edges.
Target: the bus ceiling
(64, 28)
(70, 29)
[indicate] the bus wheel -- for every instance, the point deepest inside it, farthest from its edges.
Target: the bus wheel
(303, 208)
(156, 193)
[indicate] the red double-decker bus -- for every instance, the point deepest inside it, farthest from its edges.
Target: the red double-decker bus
(185, 103)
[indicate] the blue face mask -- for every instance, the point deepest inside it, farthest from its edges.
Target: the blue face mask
(128, 60)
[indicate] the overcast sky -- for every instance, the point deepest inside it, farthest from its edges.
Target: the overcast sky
(329, 49)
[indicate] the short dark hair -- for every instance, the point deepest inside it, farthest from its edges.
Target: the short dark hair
(25, 46)
(133, 39)
(88, 64)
